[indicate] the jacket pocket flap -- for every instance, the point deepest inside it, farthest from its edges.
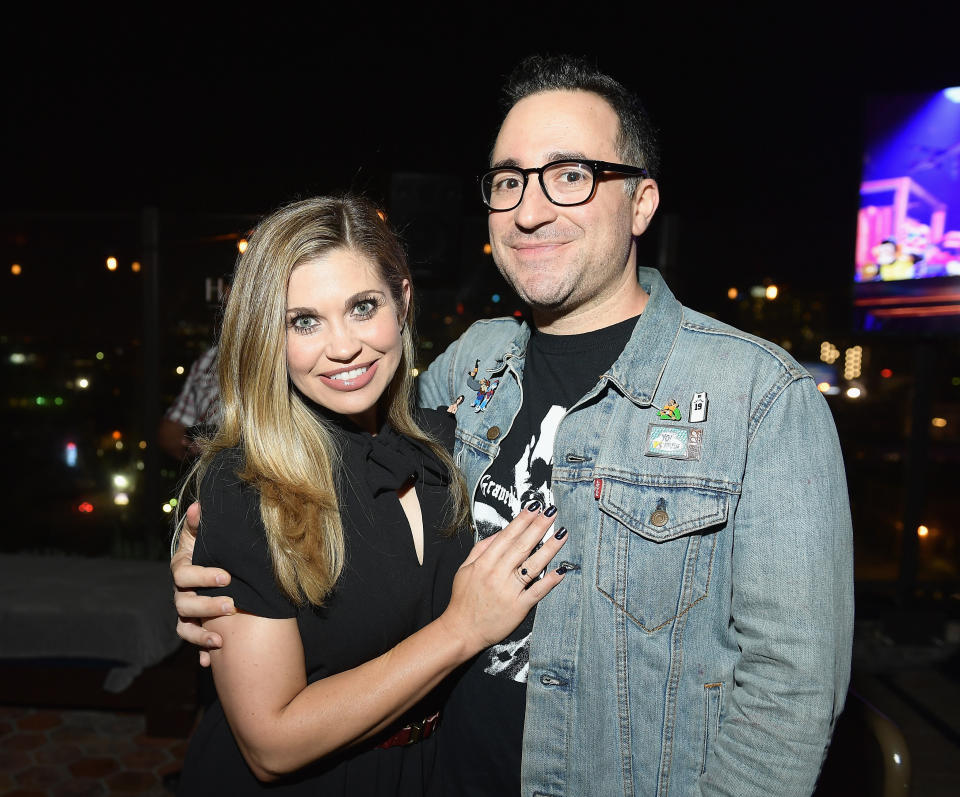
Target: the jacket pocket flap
(663, 513)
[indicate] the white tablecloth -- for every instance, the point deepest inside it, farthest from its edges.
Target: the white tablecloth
(65, 607)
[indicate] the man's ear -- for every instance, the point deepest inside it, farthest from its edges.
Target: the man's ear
(645, 201)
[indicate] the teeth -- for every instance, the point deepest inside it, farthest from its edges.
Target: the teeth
(344, 376)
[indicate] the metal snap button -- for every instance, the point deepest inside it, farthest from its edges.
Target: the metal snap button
(659, 518)
(493, 433)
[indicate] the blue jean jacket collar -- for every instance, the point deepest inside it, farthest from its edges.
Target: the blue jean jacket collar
(635, 376)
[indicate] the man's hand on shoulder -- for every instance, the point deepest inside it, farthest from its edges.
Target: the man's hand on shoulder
(193, 609)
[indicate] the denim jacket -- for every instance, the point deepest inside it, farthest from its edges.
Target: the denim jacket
(701, 644)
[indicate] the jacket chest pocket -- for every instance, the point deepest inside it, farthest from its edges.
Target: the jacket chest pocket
(656, 548)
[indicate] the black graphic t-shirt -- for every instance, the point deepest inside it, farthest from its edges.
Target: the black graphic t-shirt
(483, 721)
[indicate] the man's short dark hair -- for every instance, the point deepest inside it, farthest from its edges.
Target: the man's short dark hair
(636, 140)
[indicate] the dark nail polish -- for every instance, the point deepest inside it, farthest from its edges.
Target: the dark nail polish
(533, 506)
(561, 570)
(561, 533)
(551, 511)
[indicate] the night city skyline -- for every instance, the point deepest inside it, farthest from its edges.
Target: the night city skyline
(761, 136)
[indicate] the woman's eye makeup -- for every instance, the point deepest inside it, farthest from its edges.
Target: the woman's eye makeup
(303, 324)
(367, 306)
(361, 309)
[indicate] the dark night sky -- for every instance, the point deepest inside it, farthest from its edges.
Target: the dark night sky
(759, 110)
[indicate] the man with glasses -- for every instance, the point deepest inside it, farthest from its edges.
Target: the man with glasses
(700, 642)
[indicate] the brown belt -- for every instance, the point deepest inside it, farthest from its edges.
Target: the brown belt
(412, 733)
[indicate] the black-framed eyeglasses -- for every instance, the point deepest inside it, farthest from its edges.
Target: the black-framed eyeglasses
(565, 182)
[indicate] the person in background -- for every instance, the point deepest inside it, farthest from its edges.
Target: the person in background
(195, 410)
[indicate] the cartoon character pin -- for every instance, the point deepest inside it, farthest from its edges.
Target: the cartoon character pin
(491, 387)
(485, 388)
(669, 411)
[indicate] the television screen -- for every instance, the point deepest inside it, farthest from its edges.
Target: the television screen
(907, 276)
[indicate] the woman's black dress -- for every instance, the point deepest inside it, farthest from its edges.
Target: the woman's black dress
(383, 595)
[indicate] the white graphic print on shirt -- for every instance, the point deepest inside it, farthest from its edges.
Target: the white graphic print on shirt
(495, 506)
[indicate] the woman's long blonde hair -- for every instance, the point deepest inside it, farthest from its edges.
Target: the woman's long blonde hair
(289, 453)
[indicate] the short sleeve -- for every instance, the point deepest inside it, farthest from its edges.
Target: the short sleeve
(439, 423)
(232, 536)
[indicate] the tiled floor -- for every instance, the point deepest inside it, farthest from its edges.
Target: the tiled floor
(73, 753)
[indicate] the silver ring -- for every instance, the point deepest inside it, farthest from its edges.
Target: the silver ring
(523, 576)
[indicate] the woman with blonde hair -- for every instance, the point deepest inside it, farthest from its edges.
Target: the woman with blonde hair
(337, 509)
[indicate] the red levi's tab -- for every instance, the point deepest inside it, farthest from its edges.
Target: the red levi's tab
(597, 487)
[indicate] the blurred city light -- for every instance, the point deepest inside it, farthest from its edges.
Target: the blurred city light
(142, 444)
(772, 292)
(121, 499)
(823, 387)
(135, 266)
(173, 502)
(939, 422)
(758, 292)
(18, 358)
(40, 401)
(83, 383)
(952, 93)
(495, 298)
(71, 455)
(99, 355)
(15, 269)
(922, 531)
(86, 507)
(732, 293)
(120, 481)
(828, 352)
(58, 401)
(886, 373)
(111, 264)
(852, 362)
(179, 369)
(853, 392)
(487, 249)
(414, 372)
(167, 508)
(242, 243)
(116, 434)
(118, 445)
